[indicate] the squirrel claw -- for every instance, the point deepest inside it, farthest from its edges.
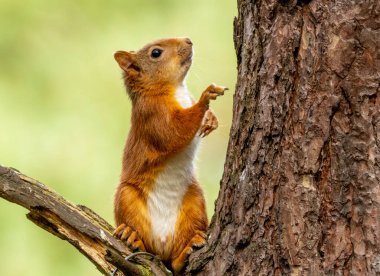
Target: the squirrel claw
(197, 241)
(212, 92)
(128, 235)
(213, 88)
(210, 123)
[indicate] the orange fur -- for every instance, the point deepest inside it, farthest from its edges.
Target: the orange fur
(161, 128)
(191, 225)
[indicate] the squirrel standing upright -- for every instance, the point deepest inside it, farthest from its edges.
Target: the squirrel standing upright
(159, 205)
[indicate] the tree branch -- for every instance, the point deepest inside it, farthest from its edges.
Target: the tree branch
(77, 224)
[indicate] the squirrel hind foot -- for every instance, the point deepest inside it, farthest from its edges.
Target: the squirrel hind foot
(130, 236)
(197, 241)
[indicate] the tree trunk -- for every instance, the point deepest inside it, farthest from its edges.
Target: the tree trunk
(300, 192)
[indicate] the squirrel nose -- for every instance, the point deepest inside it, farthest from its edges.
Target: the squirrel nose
(188, 41)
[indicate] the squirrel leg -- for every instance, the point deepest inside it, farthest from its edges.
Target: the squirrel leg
(197, 241)
(126, 233)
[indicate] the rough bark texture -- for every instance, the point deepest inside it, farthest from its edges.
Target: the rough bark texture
(300, 193)
(80, 226)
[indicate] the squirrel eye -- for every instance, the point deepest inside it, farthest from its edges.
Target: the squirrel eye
(156, 53)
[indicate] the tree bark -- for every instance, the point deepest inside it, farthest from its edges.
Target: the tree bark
(77, 224)
(300, 193)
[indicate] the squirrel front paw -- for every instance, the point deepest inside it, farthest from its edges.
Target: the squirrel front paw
(197, 241)
(209, 123)
(127, 234)
(211, 93)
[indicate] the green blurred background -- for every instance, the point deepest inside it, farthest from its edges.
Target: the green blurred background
(64, 113)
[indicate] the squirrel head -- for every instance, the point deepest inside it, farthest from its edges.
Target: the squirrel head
(157, 67)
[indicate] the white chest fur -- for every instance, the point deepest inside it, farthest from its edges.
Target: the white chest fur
(165, 200)
(183, 96)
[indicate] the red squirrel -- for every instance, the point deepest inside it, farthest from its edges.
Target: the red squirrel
(159, 204)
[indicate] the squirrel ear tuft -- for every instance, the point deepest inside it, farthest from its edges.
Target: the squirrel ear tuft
(126, 61)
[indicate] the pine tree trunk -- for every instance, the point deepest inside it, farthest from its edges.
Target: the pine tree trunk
(300, 193)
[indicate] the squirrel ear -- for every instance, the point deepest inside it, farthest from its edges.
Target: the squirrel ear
(126, 61)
